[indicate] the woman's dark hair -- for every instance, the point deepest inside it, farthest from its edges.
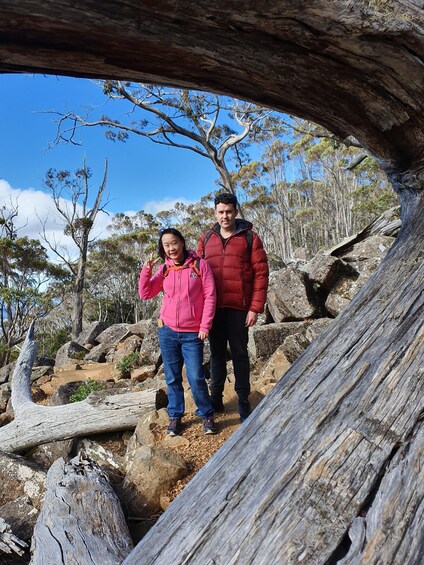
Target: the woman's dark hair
(172, 231)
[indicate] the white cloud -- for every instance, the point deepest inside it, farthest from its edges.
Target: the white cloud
(36, 209)
(155, 206)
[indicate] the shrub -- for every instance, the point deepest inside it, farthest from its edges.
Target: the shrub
(78, 355)
(128, 362)
(85, 389)
(51, 342)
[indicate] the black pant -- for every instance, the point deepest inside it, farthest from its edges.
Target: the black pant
(229, 325)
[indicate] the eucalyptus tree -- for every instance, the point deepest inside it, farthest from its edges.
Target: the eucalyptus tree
(30, 285)
(215, 127)
(114, 265)
(308, 190)
(347, 189)
(71, 196)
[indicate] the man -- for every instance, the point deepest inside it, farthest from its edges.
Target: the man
(240, 268)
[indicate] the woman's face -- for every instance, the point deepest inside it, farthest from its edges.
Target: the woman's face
(174, 247)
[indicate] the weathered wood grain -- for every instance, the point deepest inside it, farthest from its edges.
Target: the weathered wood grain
(81, 522)
(392, 530)
(99, 412)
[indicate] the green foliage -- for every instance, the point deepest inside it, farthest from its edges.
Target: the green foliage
(128, 362)
(29, 283)
(9, 353)
(85, 389)
(301, 193)
(50, 342)
(79, 355)
(79, 226)
(293, 179)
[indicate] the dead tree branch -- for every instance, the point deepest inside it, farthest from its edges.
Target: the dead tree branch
(34, 424)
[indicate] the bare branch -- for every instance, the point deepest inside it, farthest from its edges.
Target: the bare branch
(357, 161)
(54, 247)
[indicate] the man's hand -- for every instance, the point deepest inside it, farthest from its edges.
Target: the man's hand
(202, 335)
(251, 319)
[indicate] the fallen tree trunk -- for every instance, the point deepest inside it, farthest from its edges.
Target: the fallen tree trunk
(99, 412)
(288, 485)
(81, 520)
(386, 224)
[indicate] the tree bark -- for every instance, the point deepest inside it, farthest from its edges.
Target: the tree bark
(78, 288)
(99, 412)
(81, 521)
(353, 67)
(394, 505)
(289, 484)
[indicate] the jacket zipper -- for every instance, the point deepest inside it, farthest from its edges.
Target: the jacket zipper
(177, 309)
(222, 264)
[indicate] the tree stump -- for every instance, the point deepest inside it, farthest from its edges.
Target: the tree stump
(81, 521)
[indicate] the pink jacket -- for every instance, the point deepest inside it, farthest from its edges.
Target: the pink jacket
(189, 300)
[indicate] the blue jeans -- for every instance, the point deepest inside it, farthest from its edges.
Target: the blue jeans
(178, 348)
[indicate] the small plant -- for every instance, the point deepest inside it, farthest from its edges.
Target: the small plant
(144, 360)
(128, 362)
(85, 389)
(78, 355)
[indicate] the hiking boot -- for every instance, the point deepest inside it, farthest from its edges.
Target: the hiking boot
(217, 404)
(244, 409)
(209, 426)
(174, 427)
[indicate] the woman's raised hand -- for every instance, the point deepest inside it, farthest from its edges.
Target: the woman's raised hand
(150, 262)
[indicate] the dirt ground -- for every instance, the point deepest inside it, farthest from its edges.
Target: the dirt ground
(196, 448)
(201, 447)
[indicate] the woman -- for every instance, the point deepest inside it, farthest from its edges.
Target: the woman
(186, 315)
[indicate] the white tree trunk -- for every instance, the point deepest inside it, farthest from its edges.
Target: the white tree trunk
(100, 412)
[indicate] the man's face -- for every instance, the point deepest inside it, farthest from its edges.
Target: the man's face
(226, 216)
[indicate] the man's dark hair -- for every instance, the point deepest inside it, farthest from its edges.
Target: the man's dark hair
(226, 198)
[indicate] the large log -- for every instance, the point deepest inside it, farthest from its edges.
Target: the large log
(354, 67)
(81, 521)
(34, 425)
(287, 487)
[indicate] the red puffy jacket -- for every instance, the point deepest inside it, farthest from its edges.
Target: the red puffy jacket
(240, 273)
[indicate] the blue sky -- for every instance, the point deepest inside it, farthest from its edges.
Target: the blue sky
(142, 175)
